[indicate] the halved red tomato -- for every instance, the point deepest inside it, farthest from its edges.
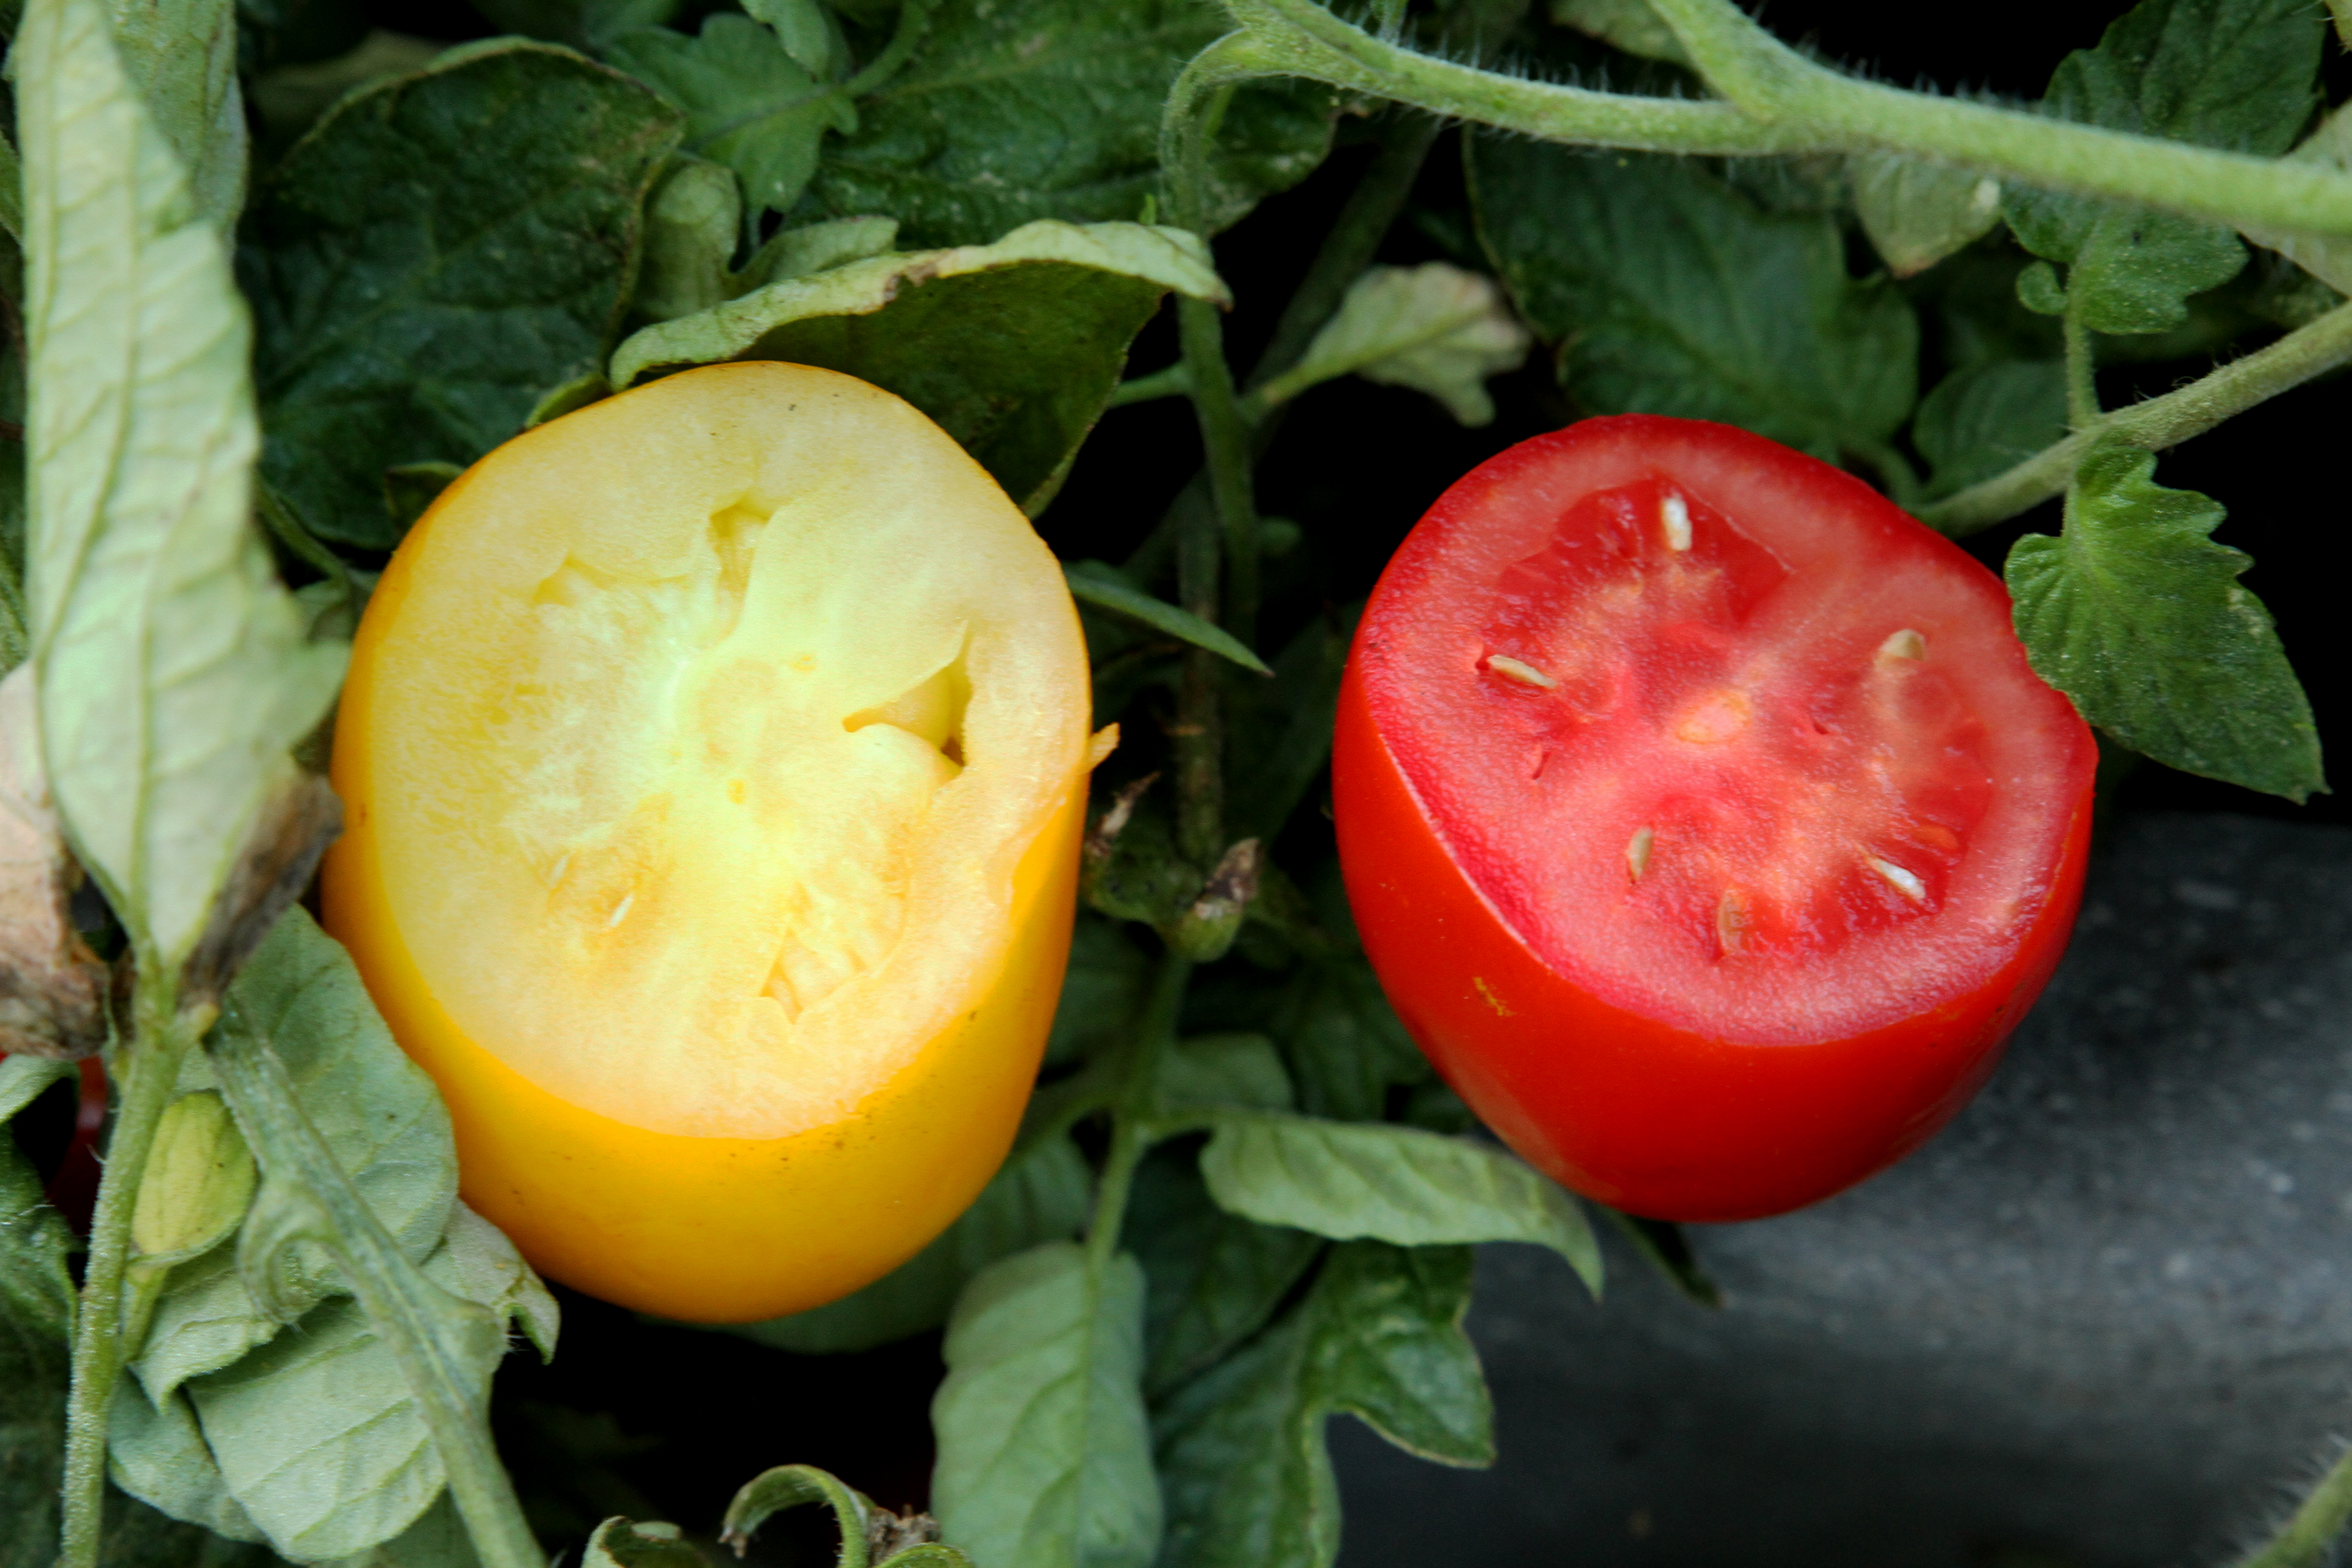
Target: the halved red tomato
(1701, 814)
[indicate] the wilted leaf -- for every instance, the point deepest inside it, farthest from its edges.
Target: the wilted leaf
(1434, 328)
(2241, 75)
(379, 1113)
(1045, 1453)
(1391, 1184)
(2135, 614)
(1051, 110)
(173, 668)
(1039, 1195)
(1013, 348)
(1670, 292)
(52, 987)
(432, 258)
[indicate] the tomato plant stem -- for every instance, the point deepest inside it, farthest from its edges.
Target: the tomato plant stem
(432, 1336)
(2082, 371)
(2160, 422)
(1782, 103)
(1133, 1124)
(146, 1069)
(2321, 1518)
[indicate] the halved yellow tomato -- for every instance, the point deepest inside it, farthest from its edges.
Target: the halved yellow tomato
(714, 763)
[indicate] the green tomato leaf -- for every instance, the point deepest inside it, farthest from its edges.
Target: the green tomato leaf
(748, 103)
(1345, 1044)
(37, 1288)
(378, 1112)
(2239, 75)
(773, 1492)
(2135, 614)
(1391, 1184)
(198, 1184)
(807, 33)
(1013, 348)
(815, 247)
(1241, 1070)
(1379, 1337)
(1105, 587)
(291, 98)
(1039, 1195)
(1670, 292)
(432, 258)
(1917, 214)
(692, 223)
(1211, 1279)
(1051, 110)
(618, 1543)
(1045, 1453)
(581, 24)
(182, 54)
(1101, 990)
(2327, 257)
(318, 1437)
(156, 1453)
(1632, 25)
(173, 671)
(1295, 710)
(1434, 328)
(1980, 420)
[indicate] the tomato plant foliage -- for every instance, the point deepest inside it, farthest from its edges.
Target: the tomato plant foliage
(270, 277)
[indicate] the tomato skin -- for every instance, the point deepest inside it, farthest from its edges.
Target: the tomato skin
(1667, 1122)
(709, 1227)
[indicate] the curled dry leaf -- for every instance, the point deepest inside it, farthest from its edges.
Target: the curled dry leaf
(274, 865)
(52, 987)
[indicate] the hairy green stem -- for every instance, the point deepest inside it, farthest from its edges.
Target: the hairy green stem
(1782, 103)
(401, 1304)
(146, 1069)
(2082, 371)
(1132, 1128)
(2309, 351)
(1176, 381)
(2305, 1539)
(1298, 38)
(1225, 436)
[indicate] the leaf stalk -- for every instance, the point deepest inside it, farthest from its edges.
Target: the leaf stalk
(2303, 1539)
(145, 1070)
(399, 1301)
(2310, 350)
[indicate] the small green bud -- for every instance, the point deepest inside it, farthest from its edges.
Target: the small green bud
(2039, 291)
(199, 1180)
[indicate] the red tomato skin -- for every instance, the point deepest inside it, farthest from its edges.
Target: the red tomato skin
(1655, 1120)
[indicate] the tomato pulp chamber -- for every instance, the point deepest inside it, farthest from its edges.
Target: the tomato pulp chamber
(1701, 816)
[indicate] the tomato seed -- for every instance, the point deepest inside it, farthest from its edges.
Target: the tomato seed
(1504, 665)
(1904, 643)
(1676, 514)
(1637, 852)
(1907, 883)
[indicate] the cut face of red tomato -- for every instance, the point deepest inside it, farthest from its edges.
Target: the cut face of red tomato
(1702, 816)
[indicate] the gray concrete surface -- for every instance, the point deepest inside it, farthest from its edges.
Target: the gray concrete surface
(2104, 1320)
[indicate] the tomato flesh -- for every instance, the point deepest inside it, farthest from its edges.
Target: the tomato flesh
(1701, 813)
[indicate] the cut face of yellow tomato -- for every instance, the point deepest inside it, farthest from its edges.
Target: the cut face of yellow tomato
(713, 763)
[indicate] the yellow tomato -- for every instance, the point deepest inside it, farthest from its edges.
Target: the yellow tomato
(713, 763)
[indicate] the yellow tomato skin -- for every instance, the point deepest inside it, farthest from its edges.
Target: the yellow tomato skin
(709, 1229)
(691, 1227)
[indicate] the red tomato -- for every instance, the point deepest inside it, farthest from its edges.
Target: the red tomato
(1701, 814)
